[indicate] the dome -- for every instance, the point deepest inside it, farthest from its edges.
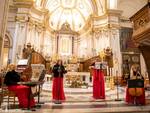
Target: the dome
(74, 12)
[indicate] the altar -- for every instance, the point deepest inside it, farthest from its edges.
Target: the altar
(78, 79)
(75, 79)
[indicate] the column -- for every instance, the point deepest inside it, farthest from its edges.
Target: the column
(4, 5)
(14, 49)
(27, 34)
(117, 57)
(76, 46)
(43, 34)
(21, 39)
(112, 4)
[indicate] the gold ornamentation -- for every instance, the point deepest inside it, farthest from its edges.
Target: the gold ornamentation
(102, 55)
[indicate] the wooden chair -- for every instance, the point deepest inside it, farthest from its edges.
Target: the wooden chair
(10, 96)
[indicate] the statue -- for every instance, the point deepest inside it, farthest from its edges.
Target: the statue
(27, 51)
(109, 56)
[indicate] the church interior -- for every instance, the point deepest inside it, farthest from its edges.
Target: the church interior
(113, 35)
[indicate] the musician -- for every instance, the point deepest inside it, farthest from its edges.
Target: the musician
(58, 74)
(22, 92)
(92, 65)
(98, 82)
(135, 95)
(135, 72)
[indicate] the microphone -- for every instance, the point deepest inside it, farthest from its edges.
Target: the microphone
(59, 69)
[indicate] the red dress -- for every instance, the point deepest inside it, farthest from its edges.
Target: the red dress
(138, 99)
(98, 84)
(58, 89)
(22, 93)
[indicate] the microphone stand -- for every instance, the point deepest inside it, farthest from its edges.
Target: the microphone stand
(59, 70)
(101, 65)
(117, 99)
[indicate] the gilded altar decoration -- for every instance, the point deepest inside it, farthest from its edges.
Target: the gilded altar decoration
(65, 37)
(108, 51)
(73, 59)
(102, 55)
(55, 57)
(109, 56)
(112, 85)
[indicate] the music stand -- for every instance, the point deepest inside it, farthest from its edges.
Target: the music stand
(117, 99)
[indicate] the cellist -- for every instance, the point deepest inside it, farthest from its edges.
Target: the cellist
(135, 95)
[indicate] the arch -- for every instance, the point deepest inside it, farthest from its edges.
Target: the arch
(8, 35)
(94, 6)
(8, 43)
(81, 9)
(93, 3)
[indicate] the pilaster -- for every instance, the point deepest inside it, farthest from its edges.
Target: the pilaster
(106, 34)
(4, 5)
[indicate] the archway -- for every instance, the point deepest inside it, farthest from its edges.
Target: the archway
(6, 49)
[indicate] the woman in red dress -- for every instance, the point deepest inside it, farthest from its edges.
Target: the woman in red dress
(98, 83)
(58, 88)
(135, 95)
(21, 91)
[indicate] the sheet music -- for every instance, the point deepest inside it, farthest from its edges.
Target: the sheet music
(100, 65)
(23, 62)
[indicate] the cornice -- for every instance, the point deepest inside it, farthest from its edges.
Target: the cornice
(114, 12)
(107, 27)
(92, 23)
(23, 3)
(142, 33)
(21, 19)
(39, 11)
(104, 16)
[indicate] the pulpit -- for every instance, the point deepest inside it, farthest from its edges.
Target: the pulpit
(98, 84)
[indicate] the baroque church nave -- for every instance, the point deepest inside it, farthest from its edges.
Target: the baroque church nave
(109, 37)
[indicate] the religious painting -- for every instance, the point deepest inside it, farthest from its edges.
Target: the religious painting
(128, 61)
(130, 53)
(65, 45)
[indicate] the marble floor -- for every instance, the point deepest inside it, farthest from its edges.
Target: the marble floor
(86, 107)
(79, 100)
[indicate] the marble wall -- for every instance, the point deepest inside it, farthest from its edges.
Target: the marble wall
(47, 45)
(85, 45)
